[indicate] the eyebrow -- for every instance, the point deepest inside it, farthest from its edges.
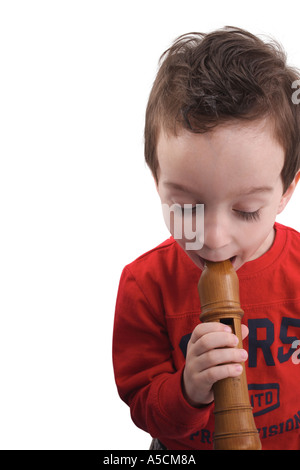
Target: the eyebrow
(258, 189)
(244, 191)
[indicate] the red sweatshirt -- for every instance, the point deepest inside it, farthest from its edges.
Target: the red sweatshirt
(157, 309)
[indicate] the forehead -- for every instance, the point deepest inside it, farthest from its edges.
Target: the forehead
(243, 150)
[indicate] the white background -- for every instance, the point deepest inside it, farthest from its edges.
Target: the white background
(77, 202)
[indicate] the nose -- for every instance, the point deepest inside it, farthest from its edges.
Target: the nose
(217, 231)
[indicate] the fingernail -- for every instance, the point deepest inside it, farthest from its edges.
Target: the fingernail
(236, 340)
(244, 354)
(239, 368)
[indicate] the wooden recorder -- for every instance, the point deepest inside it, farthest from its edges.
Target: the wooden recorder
(220, 301)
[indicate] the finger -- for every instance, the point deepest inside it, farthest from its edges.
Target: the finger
(209, 327)
(245, 331)
(217, 357)
(214, 340)
(214, 374)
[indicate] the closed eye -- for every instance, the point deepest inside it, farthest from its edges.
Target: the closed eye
(248, 216)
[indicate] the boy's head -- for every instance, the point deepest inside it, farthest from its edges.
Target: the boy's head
(227, 75)
(220, 122)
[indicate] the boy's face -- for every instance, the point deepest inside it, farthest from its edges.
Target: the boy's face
(235, 171)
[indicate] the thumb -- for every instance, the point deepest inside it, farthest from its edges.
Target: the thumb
(245, 331)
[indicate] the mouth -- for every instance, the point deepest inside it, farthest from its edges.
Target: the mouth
(203, 261)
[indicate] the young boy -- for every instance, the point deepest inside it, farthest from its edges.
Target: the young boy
(221, 130)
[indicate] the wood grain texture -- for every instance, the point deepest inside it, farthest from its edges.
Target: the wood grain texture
(235, 428)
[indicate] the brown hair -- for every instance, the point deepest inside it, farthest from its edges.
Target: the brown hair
(208, 79)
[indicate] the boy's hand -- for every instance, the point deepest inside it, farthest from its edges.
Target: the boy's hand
(212, 355)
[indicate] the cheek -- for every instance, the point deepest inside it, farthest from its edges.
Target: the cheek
(249, 234)
(173, 222)
(255, 237)
(255, 233)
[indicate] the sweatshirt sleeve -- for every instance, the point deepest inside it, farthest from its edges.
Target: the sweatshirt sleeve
(144, 371)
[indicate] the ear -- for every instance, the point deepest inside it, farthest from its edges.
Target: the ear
(288, 194)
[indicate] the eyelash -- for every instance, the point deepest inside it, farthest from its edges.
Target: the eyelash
(248, 216)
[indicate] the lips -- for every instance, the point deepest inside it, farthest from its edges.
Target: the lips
(203, 261)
